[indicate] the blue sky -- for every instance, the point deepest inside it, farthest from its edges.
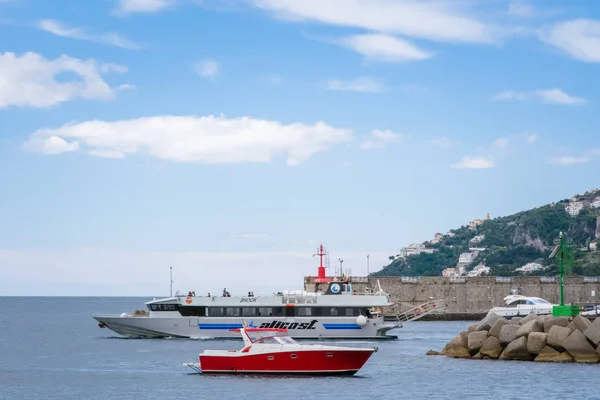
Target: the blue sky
(138, 133)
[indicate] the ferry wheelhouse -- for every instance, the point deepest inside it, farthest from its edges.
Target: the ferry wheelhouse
(338, 312)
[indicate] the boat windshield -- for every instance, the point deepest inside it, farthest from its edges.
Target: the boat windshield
(285, 340)
(537, 300)
(276, 340)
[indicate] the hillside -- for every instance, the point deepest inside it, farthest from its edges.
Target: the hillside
(507, 243)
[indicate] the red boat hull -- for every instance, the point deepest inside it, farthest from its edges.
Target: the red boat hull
(311, 362)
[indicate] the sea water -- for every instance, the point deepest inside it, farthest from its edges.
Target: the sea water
(52, 348)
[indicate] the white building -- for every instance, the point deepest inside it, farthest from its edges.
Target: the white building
(479, 270)
(477, 239)
(414, 249)
(450, 234)
(595, 203)
(573, 208)
(460, 270)
(466, 258)
(593, 246)
(530, 267)
(436, 238)
(475, 223)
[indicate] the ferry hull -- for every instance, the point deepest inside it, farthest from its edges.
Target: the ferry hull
(313, 362)
(219, 328)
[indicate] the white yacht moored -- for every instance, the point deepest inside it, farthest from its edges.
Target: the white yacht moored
(521, 306)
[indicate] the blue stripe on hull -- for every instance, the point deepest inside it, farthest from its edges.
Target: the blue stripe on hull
(341, 326)
(219, 326)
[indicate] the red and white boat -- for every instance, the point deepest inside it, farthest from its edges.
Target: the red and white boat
(276, 353)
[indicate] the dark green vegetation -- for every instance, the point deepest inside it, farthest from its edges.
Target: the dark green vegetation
(513, 241)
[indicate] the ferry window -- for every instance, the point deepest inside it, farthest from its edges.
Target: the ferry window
(330, 312)
(248, 311)
(265, 311)
(303, 311)
(352, 312)
(278, 311)
(192, 311)
(153, 307)
(233, 311)
(216, 311)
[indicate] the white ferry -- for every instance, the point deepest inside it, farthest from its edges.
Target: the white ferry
(339, 312)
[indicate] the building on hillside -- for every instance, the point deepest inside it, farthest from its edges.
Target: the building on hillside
(595, 203)
(466, 258)
(531, 267)
(573, 208)
(414, 249)
(475, 223)
(479, 270)
(450, 234)
(436, 238)
(477, 239)
(477, 249)
(593, 246)
(460, 270)
(449, 272)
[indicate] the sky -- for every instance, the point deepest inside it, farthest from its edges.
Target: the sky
(228, 139)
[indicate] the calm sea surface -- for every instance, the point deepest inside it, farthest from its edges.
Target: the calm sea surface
(51, 348)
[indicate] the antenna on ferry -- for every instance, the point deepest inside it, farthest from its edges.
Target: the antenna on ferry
(341, 262)
(171, 273)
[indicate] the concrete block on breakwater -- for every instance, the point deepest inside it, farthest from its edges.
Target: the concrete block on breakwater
(534, 338)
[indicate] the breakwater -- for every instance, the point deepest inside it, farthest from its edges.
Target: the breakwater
(470, 298)
(533, 338)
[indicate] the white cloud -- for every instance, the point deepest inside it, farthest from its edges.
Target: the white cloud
(386, 48)
(57, 145)
(30, 80)
(569, 160)
(520, 9)
(363, 84)
(475, 162)
(57, 28)
(207, 68)
(434, 20)
(548, 96)
(531, 138)
(579, 38)
(378, 139)
(206, 139)
(441, 142)
(126, 86)
(94, 272)
(500, 143)
(125, 7)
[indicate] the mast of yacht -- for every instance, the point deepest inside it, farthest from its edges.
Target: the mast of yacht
(171, 282)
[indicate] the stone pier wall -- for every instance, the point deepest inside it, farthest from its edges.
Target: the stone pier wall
(474, 296)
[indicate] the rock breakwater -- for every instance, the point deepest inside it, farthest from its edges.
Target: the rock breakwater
(533, 338)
